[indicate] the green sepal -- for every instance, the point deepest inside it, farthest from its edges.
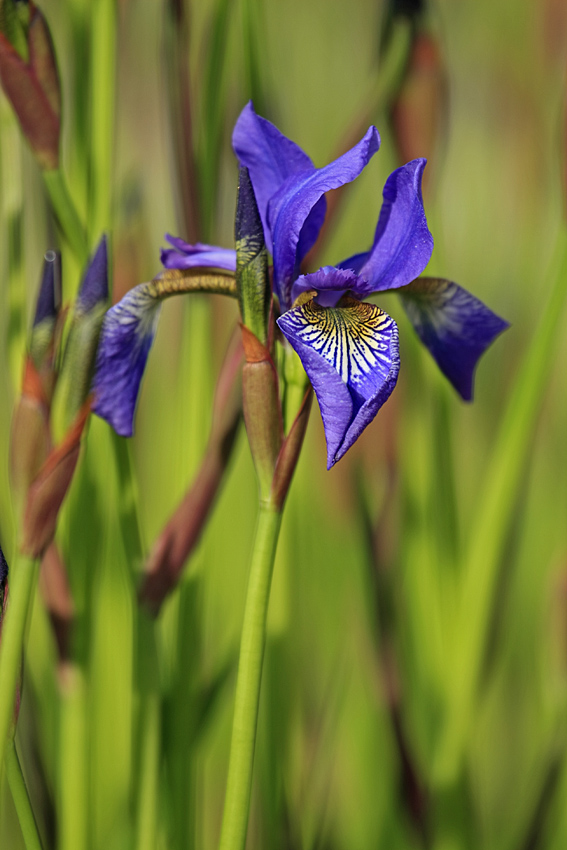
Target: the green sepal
(252, 280)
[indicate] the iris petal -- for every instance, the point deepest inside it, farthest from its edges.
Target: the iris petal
(186, 256)
(454, 325)
(331, 284)
(350, 353)
(402, 242)
(127, 334)
(269, 156)
(292, 205)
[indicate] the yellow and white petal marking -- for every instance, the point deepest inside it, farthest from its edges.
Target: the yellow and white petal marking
(357, 339)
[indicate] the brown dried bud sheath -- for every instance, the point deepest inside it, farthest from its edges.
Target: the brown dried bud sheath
(30, 440)
(289, 453)
(49, 488)
(262, 409)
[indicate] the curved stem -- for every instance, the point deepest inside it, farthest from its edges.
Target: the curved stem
(21, 799)
(66, 214)
(239, 784)
(22, 581)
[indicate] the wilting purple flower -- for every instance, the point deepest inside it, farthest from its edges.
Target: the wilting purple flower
(349, 349)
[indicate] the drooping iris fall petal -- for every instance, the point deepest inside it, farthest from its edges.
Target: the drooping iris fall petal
(350, 353)
(126, 338)
(455, 326)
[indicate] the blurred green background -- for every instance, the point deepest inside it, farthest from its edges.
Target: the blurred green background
(398, 570)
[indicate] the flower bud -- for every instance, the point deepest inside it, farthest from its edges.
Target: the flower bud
(252, 280)
(28, 72)
(3, 585)
(42, 339)
(30, 439)
(80, 352)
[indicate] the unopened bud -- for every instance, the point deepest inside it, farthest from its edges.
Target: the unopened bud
(43, 334)
(49, 488)
(252, 280)
(3, 585)
(28, 72)
(30, 438)
(80, 352)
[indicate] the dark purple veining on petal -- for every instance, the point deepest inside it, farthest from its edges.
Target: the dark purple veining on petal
(456, 327)
(350, 354)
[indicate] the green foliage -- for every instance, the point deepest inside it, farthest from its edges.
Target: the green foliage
(415, 677)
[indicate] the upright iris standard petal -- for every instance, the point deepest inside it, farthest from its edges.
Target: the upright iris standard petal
(454, 325)
(127, 334)
(291, 206)
(330, 284)
(270, 157)
(350, 353)
(402, 242)
(186, 256)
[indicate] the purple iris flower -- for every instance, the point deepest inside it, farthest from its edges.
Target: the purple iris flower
(349, 348)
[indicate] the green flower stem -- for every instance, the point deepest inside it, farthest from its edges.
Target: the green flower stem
(21, 799)
(103, 69)
(66, 214)
(148, 789)
(239, 784)
(73, 759)
(22, 583)
(149, 734)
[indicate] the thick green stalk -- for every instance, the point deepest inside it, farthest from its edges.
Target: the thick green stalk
(66, 214)
(149, 735)
(21, 799)
(239, 784)
(22, 582)
(103, 70)
(73, 756)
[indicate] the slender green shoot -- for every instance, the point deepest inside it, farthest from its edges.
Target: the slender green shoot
(20, 796)
(22, 582)
(239, 784)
